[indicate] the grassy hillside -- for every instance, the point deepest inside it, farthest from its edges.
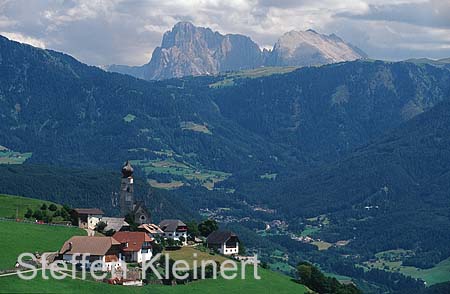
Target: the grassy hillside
(16, 206)
(252, 74)
(18, 238)
(438, 274)
(187, 254)
(270, 282)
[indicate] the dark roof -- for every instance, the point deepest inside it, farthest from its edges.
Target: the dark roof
(134, 240)
(84, 244)
(88, 211)
(171, 225)
(220, 237)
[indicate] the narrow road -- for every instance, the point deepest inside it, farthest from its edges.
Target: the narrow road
(15, 273)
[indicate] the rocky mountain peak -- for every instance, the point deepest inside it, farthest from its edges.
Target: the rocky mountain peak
(304, 48)
(187, 50)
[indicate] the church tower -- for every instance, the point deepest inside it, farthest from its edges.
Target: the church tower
(126, 190)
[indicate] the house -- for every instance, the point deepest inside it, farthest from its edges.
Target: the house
(116, 224)
(174, 229)
(105, 249)
(151, 229)
(136, 246)
(225, 242)
(88, 218)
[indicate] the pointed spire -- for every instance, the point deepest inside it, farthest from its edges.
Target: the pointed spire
(127, 170)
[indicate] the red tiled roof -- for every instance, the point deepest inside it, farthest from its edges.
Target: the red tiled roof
(151, 228)
(134, 240)
(111, 258)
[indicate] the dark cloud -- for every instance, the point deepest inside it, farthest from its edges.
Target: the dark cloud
(430, 14)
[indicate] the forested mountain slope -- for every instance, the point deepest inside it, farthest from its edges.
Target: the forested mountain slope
(392, 193)
(328, 111)
(364, 143)
(66, 112)
(86, 188)
(70, 113)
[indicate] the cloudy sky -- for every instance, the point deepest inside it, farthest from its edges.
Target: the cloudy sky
(103, 32)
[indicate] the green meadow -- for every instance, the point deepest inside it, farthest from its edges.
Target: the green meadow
(191, 126)
(20, 237)
(17, 238)
(440, 273)
(252, 74)
(16, 206)
(170, 166)
(270, 282)
(11, 157)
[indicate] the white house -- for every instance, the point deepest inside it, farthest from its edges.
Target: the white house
(225, 242)
(135, 246)
(174, 229)
(105, 249)
(88, 218)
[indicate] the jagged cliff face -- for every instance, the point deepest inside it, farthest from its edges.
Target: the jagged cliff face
(311, 48)
(189, 50)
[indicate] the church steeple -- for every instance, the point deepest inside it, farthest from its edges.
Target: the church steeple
(128, 205)
(126, 189)
(127, 170)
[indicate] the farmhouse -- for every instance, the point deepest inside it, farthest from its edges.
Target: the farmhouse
(105, 249)
(136, 246)
(116, 224)
(225, 242)
(88, 218)
(174, 229)
(151, 229)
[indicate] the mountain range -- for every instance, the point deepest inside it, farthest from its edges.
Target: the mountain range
(188, 50)
(361, 143)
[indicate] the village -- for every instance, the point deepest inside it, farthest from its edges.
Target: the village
(131, 239)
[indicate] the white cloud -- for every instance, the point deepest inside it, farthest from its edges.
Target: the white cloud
(24, 39)
(127, 31)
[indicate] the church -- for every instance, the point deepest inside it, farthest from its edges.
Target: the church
(128, 204)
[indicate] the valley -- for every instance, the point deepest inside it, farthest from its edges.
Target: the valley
(336, 164)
